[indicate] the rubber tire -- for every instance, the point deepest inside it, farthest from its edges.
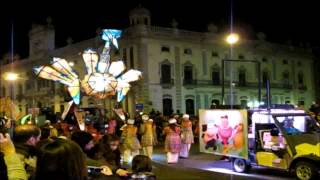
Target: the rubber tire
(312, 170)
(240, 165)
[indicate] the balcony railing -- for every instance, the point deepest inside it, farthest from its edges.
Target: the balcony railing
(191, 82)
(166, 83)
(302, 87)
(195, 82)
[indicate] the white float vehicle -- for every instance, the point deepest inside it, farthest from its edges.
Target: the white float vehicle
(283, 139)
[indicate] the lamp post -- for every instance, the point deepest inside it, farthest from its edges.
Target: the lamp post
(11, 77)
(231, 39)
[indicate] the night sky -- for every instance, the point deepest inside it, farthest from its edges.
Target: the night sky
(281, 20)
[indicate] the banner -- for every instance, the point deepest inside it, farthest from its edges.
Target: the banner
(66, 110)
(80, 119)
(224, 132)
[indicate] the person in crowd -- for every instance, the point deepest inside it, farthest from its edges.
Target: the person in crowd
(25, 138)
(13, 167)
(173, 141)
(48, 131)
(177, 117)
(86, 142)
(112, 125)
(142, 168)
(131, 143)
(108, 149)
(186, 136)
(61, 159)
(148, 139)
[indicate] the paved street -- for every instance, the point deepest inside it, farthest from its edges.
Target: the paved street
(204, 166)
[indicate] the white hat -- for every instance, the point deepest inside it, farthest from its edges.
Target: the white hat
(145, 117)
(122, 117)
(150, 120)
(185, 116)
(172, 121)
(130, 121)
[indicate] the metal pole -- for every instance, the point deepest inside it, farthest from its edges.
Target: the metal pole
(259, 81)
(231, 79)
(222, 93)
(268, 95)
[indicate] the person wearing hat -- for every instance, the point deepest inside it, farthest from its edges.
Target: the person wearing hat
(131, 143)
(173, 141)
(186, 136)
(148, 131)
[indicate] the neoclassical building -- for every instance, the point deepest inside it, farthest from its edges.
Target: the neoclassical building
(182, 70)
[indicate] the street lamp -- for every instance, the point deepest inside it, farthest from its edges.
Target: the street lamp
(231, 39)
(10, 76)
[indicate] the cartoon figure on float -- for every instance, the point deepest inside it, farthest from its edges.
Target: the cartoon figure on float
(223, 135)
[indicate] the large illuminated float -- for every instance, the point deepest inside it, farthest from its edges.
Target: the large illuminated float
(103, 79)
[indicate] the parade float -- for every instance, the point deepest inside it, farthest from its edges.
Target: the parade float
(104, 78)
(284, 139)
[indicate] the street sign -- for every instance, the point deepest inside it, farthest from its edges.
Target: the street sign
(139, 107)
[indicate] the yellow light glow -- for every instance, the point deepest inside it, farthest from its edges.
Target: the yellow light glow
(11, 76)
(71, 64)
(232, 38)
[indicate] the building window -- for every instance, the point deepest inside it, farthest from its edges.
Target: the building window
(3, 91)
(301, 103)
(285, 61)
(167, 106)
(243, 103)
(124, 55)
(264, 59)
(146, 21)
(299, 63)
(300, 79)
(265, 77)
(20, 89)
(214, 104)
(241, 56)
(214, 54)
(165, 49)
(216, 76)
(190, 106)
(285, 78)
(188, 75)
(242, 77)
(131, 58)
(165, 74)
(188, 51)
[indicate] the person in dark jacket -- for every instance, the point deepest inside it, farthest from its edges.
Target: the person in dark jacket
(141, 168)
(25, 138)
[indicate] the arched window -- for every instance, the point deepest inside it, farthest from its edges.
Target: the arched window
(190, 106)
(285, 78)
(188, 74)
(300, 78)
(244, 101)
(265, 77)
(167, 105)
(215, 75)
(165, 72)
(242, 77)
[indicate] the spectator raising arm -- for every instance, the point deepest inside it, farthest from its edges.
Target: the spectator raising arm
(15, 169)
